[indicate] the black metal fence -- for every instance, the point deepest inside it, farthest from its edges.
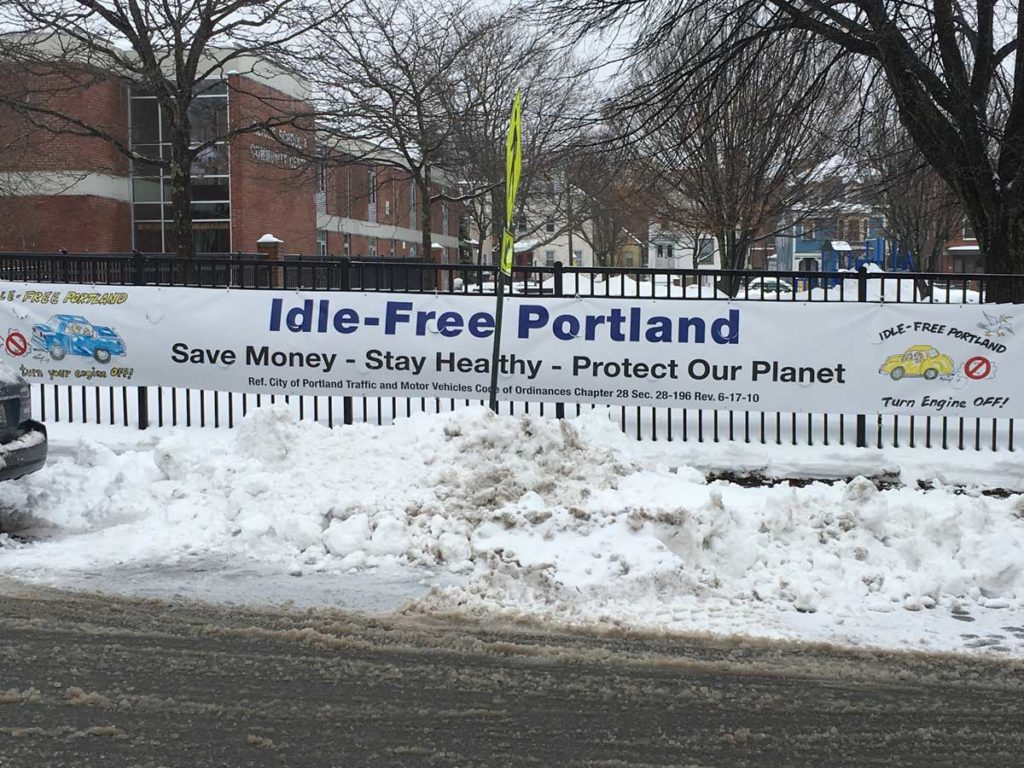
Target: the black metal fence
(141, 406)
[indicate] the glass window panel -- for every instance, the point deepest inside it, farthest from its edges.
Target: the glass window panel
(146, 190)
(211, 161)
(147, 150)
(145, 121)
(210, 188)
(211, 210)
(145, 169)
(148, 237)
(208, 119)
(147, 212)
(211, 87)
(212, 238)
(141, 90)
(165, 126)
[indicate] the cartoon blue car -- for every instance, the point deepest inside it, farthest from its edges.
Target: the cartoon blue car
(63, 335)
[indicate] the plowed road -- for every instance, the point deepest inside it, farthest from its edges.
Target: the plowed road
(99, 681)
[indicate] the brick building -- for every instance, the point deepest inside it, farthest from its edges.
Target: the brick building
(59, 190)
(962, 254)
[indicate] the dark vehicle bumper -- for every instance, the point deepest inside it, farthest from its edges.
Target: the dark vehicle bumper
(26, 453)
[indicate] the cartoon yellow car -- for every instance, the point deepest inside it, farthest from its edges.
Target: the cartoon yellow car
(919, 360)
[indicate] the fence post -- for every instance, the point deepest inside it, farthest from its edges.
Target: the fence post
(269, 246)
(559, 293)
(345, 284)
(141, 393)
(862, 296)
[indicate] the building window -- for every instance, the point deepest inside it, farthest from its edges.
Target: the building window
(208, 119)
(145, 119)
(549, 258)
(321, 175)
(412, 203)
(372, 247)
(321, 243)
(806, 231)
(412, 250)
(969, 233)
(856, 230)
(149, 237)
(705, 249)
(549, 226)
(577, 258)
(371, 187)
(661, 251)
(444, 218)
(963, 264)
(152, 215)
(668, 251)
(346, 245)
(211, 236)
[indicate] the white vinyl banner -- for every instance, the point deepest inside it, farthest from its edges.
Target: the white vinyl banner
(938, 359)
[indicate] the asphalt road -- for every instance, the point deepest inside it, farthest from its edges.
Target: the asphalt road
(100, 681)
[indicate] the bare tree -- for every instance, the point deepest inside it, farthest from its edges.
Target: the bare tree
(170, 50)
(751, 141)
(557, 101)
(921, 211)
(382, 76)
(953, 68)
(606, 200)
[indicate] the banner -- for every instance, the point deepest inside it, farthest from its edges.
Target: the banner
(940, 360)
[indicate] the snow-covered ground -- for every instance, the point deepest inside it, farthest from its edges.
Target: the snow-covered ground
(472, 514)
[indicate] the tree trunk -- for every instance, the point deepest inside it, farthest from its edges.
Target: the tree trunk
(570, 226)
(1002, 243)
(181, 207)
(426, 233)
(181, 182)
(727, 245)
(497, 223)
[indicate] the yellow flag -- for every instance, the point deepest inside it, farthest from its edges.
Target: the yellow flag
(513, 170)
(508, 243)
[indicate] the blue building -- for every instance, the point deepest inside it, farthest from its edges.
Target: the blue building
(838, 241)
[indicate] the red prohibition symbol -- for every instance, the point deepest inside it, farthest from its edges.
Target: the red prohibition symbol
(16, 343)
(978, 368)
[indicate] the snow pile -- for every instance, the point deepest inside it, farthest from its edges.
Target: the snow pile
(564, 519)
(653, 549)
(280, 491)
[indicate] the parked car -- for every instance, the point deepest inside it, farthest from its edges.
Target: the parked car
(64, 335)
(22, 440)
(919, 360)
(767, 285)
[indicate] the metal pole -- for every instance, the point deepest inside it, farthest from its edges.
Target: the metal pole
(345, 284)
(559, 292)
(496, 349)
(141, 393)
(862, 296)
